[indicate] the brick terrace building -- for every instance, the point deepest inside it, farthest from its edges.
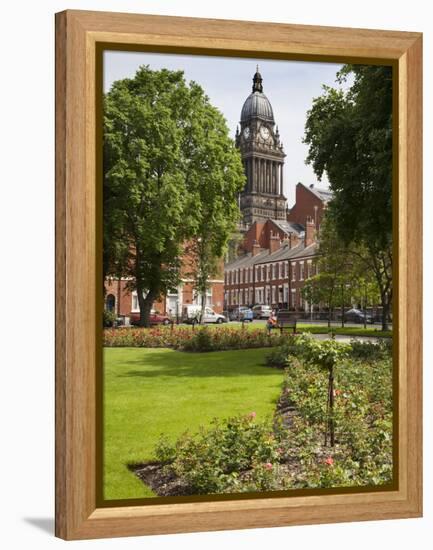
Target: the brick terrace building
(124, 302)
(273, 275)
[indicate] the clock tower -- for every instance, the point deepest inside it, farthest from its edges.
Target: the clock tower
(263, 157)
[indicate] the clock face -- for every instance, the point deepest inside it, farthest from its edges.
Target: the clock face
(264, 132)
(246, 132)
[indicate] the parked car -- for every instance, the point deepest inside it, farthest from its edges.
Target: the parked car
(262, 312)
(230, 314)
(191, 313)
(357, 316)
(244, 314)
(155, 318)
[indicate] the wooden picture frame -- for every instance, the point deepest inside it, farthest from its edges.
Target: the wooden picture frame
(80, 36)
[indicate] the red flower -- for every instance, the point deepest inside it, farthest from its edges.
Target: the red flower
(329, 461)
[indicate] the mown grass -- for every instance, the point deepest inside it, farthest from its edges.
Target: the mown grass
(149, 392)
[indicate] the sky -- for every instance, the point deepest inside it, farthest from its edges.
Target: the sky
(289, 85)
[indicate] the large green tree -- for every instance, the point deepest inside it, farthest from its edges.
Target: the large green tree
(162, 140)
(349, 134)
(343, 275)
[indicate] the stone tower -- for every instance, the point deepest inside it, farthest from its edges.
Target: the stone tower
(263, 157)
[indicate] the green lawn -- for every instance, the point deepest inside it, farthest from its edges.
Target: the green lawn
(152, 391)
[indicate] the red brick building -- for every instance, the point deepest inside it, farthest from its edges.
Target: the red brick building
(123, 302)
(310, 202)
(275, 274)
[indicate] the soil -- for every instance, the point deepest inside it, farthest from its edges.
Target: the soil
(163, 482)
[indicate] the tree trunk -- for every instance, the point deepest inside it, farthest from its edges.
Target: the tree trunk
(365, 310)
(331, 406)
(145, 305)
(203, 306)
(385, 313)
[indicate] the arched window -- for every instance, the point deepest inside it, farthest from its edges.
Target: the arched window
(110, 302)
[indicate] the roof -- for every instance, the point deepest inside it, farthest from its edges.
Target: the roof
(287, 253)
(324, 195)
(257, 105)
(264, 257)
(289, 227)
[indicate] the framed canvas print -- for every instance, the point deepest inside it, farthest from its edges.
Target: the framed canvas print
(238, 274)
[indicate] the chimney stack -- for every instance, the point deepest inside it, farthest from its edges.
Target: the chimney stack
(274, 242)
(310, 232)
(256, 248)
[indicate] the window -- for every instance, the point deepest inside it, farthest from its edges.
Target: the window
(293, 271)
(277, 271)
(110, 302)
(293, 298)
(301, 271)
(134, 305)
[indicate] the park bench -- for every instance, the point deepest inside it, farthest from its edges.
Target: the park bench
(286, 320)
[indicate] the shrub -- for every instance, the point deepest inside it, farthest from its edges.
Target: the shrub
(109, 318)
(371, 351)
(236, 455)
(306, 348)
(201, 341)
(363, 424)
(186, 339)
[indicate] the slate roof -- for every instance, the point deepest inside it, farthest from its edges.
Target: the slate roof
(264, 257)
(289, 227)
(323, 194)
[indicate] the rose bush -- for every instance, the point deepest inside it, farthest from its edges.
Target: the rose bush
(184, 338)
(289, 451)
(237, 455)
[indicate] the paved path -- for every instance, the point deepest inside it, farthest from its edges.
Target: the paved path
(347, 338)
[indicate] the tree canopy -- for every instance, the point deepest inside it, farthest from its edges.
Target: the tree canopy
(349, 134)
(164, 143)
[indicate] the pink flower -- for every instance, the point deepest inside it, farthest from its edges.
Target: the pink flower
(329, 461)
(268, 466)
(252, 415)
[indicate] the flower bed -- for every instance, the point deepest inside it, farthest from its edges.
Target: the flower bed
(293, 450)
(185, 339)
